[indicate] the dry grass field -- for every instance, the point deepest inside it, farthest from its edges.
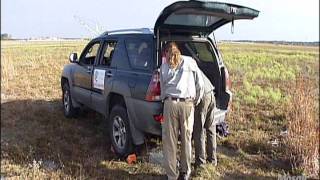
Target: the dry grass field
(274, 120)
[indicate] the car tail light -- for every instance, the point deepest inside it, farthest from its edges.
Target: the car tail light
(158, 118)
(227, 78)
(154, 90)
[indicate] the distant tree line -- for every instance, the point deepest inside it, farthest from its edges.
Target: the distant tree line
(315, 43)
(5, 36)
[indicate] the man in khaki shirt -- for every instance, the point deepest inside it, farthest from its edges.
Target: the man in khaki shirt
(181, 87)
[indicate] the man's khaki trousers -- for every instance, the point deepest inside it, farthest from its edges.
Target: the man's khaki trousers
(204, 121)
(177, 116)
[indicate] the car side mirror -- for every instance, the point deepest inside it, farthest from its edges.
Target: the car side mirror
(73, 58)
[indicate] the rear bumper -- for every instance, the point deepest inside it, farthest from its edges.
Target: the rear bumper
(142, 115)
(219, 115)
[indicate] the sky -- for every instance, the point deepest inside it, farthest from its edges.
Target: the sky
(281, 20)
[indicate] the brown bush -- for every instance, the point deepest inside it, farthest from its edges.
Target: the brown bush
(302, 141)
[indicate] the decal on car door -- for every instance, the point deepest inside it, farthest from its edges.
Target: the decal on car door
(98, 79)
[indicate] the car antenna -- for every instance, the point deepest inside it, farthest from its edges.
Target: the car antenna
(94, 27)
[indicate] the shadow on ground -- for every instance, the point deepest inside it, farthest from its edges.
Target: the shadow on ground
(36, 130)
(239, 175)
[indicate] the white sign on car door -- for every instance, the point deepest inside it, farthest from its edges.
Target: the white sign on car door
(98, 78)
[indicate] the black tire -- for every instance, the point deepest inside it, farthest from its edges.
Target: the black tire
(119, 130)
(68, 108)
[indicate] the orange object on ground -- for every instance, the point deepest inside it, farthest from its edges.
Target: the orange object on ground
(132, 158)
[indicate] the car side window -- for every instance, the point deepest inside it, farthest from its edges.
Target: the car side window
(108, 52)
(204, 52)
(88, 57)
(139, 53)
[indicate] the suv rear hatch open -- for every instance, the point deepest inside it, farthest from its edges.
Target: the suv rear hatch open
(199, 17)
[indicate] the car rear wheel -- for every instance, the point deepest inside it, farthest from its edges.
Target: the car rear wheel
(120, 134)
(68, 108)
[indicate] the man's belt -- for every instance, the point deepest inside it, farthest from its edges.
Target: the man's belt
(179, 99)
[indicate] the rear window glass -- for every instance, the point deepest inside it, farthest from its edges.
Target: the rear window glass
(139, 53)
(189, 18)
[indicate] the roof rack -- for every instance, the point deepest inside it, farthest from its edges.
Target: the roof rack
(126, 31)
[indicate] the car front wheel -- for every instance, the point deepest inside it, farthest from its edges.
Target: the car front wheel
(120, 131)
(69, 110)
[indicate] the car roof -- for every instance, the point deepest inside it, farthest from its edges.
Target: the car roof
(127, 32)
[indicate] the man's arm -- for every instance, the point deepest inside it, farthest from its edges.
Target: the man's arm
(199, 85)
(161, 83)
(163, 77)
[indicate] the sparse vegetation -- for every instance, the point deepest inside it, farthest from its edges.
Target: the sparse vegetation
(302, 140)
(37, 142)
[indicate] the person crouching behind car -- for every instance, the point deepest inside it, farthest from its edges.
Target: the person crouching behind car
(204, 120)
(181, 87)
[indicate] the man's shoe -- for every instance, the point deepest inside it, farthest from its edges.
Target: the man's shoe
(213, 162)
